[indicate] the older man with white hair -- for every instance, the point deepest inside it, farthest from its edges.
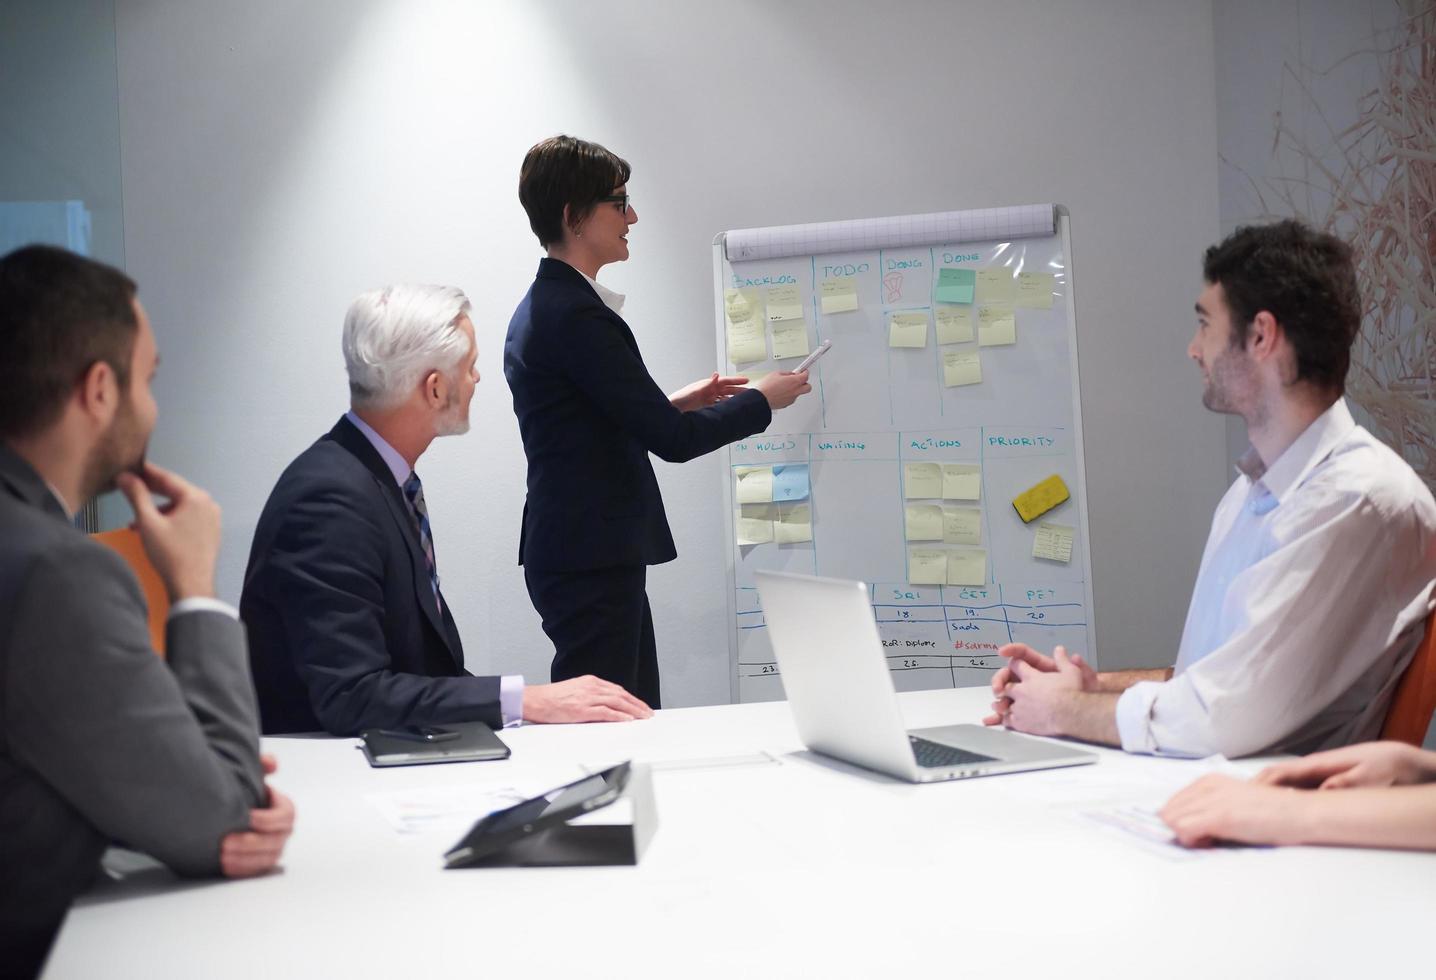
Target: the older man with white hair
(348, 627)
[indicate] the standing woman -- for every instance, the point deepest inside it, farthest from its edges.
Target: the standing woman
(590, 413)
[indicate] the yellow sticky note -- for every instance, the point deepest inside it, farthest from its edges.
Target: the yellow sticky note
(1053, 542)
(996, 286)
(954, 324)
(926, 566)
(961, 525)
(1034, 290)
(790, 339)
(1037, 500)
(755, 524)
(784, 303)
(961, 367)
(755, 484)
(923, 522)
(921, 480)
(961, 482)
(839, 295)
(747, 341)
(795, 523)
(907, 330)
(967, 567)
(742, 304)
(996, 325)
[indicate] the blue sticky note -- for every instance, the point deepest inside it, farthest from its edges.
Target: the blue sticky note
(790, 482)
(956, 285)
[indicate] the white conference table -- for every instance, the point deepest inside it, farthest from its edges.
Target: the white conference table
(795, 866)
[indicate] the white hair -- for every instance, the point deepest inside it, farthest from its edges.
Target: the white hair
(393, 337)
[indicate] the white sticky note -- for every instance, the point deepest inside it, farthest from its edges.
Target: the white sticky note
(794, 524)
(996, 326)
(954, 324)
(839, 295)
(996, 286)
(907, 330)
(753, 530)
(961, 367)
(961, 481)
(961, 525)
(1035, 289)
(790, 339)
(1053, 542)
(755, 484)
(921, 480)
(926, 566)
(923, 522)
(784, 303)
(967, 567)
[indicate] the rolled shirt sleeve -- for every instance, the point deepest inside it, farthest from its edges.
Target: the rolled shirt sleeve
(1316, 632)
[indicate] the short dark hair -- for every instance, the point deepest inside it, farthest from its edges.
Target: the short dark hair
(565, 170)
(60, 313)
(1302, 277)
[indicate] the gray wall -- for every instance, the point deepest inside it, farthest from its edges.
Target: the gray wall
(60, 124)
(279, 158)
(59, 111)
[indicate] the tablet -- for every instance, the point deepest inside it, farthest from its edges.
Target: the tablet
(501, 828)
(472, 742)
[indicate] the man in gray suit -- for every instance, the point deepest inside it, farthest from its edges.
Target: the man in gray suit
(101, 740)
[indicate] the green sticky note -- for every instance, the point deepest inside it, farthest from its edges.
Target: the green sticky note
(956, 285)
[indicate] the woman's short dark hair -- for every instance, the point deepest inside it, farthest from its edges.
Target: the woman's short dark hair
(60, 313)
(565, 170)
(1302, 277)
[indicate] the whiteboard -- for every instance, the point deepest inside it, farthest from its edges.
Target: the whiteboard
(853, 456)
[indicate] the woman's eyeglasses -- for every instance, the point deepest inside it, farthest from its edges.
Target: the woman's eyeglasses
(622, 200)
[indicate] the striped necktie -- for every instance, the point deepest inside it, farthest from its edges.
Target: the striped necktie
(414, 493)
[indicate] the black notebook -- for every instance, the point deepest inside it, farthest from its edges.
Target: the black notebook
(473, 742)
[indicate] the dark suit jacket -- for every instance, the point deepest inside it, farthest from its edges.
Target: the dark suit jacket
(589, 414)
(100, 740)
(343, 630)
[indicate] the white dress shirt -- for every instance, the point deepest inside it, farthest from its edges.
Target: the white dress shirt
(1309, 604)
(612, 300)
(511, 686)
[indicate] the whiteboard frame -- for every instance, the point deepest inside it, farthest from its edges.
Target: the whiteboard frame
(1064, 233)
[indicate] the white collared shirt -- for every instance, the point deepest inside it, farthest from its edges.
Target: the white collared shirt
(1309, 603)
(511, 686)
(612, 300)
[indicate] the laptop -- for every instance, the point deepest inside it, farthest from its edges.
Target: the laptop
(842, 694)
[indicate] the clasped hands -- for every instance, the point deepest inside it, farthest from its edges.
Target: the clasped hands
(1032, 692)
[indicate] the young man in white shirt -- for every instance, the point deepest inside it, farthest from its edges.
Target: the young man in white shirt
(1318, 571)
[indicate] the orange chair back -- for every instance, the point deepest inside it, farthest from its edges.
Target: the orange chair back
(157, 598)
(1415, 698)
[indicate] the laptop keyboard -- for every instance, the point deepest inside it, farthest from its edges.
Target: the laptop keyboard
(935, 755)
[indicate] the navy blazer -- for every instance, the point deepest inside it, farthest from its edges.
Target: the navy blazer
(344, 633)
(589, 414)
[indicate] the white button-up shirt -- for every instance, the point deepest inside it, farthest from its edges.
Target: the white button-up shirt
(611, 299)
(1309, 604)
